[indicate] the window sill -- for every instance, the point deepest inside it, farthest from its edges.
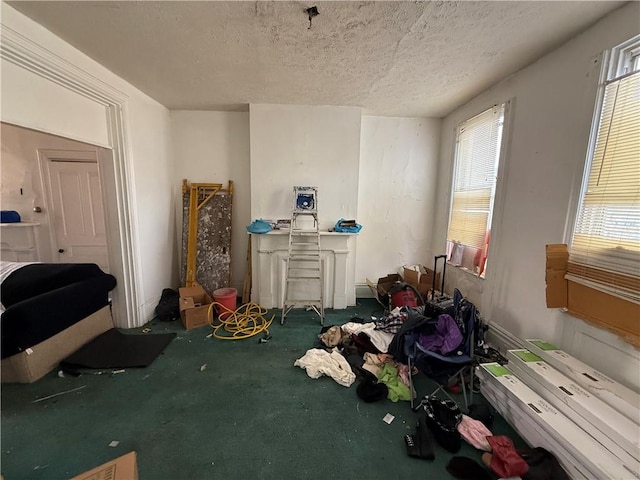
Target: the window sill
(467, 271)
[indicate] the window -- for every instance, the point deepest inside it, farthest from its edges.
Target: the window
(477, 156)
(605, 248)
(603, 272)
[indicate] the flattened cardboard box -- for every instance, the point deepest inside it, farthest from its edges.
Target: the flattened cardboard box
(194, 306)
(385, 284)
(422, 281)
(121, 468)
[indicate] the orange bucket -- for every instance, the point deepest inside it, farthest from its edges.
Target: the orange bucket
(227, 298)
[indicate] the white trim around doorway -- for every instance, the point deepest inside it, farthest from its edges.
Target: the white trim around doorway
(25, 54)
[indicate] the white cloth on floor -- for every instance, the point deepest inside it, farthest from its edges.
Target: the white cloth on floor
(373, 363)
(318, 362)
(380, 339)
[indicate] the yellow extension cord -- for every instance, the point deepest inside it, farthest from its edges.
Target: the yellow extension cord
(244, 322)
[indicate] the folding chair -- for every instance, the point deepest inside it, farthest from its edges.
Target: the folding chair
(444, 368)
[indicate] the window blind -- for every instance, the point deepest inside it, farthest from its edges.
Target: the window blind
(605, 249)
(476, 167)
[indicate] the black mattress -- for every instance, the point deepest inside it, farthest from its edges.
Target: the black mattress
(37, 278)
(43, 299)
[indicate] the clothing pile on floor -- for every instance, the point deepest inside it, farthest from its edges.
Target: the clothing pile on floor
(365, 352)
(372, 354)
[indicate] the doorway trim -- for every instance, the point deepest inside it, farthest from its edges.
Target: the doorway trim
(24, 53)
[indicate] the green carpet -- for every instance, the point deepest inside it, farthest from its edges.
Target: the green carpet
(209, 408)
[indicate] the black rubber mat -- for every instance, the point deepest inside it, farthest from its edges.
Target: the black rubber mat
(114, 349)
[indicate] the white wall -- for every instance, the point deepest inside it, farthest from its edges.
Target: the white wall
(396, 195)
(213, 147)
(553, 107)
(152, 181)
(20, 171)
(394, 177)
(35, 102)
(304, 145)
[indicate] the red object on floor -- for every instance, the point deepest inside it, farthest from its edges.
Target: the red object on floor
(226, 297)
(504, 460)
(404, 298)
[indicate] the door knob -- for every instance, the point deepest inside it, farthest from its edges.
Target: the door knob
(37, 209)
(61, 250)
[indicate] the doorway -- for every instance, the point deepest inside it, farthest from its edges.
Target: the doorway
(50, 94)
(74, 202)
(26, 154)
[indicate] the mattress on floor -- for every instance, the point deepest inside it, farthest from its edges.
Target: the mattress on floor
(38, 360)
(28, 280)
(32, 320)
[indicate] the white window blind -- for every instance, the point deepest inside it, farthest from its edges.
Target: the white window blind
(476, 167)
(605, 248)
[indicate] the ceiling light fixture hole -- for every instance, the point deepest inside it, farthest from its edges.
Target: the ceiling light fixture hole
(312, 12)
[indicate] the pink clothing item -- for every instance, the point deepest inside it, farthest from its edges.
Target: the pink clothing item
(475, 433)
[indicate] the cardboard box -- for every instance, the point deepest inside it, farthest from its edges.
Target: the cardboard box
(620, 397)
(612, 312)
(593, 459)
(604, 423)
(194, 306)
(381, 289)
(122, 468)
(556, 268)
(530, 431)
(422, 279)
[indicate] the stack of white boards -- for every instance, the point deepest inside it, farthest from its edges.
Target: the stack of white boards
(604, 423)
(541, 424)
(623, 399)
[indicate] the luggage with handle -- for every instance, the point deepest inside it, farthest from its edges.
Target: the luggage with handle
(439, 303)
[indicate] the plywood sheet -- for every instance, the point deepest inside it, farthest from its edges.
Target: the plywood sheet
(213, 257)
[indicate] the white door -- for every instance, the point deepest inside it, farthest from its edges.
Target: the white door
(76, 211)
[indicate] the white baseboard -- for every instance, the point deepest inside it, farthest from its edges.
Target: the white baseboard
(148, 310)
(363, 291)
(501, 339)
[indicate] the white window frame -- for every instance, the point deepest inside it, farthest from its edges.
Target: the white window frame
(496, 204)
(623, 59)
(617, 63)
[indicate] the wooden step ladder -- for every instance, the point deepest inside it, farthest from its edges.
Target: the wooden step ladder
(304, 284)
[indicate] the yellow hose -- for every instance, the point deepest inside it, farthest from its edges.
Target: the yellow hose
(244, 322)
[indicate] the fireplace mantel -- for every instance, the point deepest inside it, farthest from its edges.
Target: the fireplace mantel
(268, 266)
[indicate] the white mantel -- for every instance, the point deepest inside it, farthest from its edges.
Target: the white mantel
(268, 268)
(19, 242)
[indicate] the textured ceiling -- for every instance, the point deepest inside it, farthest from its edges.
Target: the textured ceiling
(400, 58)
